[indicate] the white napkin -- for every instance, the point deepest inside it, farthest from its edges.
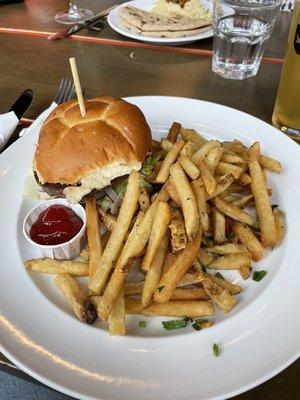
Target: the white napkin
(8, 123)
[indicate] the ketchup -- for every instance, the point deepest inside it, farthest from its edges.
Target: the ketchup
(55, 225)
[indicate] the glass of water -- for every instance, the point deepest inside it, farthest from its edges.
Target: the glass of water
(241, 31)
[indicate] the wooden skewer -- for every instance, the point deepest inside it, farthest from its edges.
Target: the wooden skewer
(77, 86)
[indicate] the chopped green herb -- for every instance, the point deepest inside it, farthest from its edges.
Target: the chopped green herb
(196, 326)
(175, 323)
(142, 324)
(160, 288)
(258, 275)
(220, 276)
(216, 350)
(148, 164)
(202, 324)
(273, 206)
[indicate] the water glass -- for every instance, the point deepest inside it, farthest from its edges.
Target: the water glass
(241, 31)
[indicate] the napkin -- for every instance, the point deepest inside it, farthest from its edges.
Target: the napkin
(8, 123)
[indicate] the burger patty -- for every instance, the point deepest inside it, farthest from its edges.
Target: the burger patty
(52, 189)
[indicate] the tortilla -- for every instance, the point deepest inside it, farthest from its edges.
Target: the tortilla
(148, 21)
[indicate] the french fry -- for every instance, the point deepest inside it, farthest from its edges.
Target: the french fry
(226, 168)
(155, 145)
(228, 248)
(117, 236)
(242, 201)
(270, 164)
(163, 174)
(248, 239)
(133, 247)
(160, 226)
(189, 278)
(236, 146)
(213, 157)
(117, 317)
(144, 200)
(192, 136)
(93, 234)
(219, 295)
(171, 189)
(82, 308)
(200, 196)
(133, 288)
(208, 179)
(204, 258)
(232, 158)
(235, 212)
(201, 153)
(231, 261)
(262, 201)
(189, 167)
(173, 308)
(108, 219)
(279, 224)
(190, 294)
(169, 260)
(223, 183)
(230, 287)
(188, 149)
(187, 200)
(174, 132)
(237, 188)
(166, 144)
(172, 277)
(245, 271)
(155, 271)
(52, 266)
(84, 254)
(178, 234)
(219, 226)
(244, 179)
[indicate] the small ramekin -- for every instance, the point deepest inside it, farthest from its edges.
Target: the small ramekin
(65, 251)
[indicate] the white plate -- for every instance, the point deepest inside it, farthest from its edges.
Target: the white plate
(258, 338)
(114, 22)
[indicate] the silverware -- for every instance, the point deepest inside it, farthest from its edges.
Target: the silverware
(89, 24)
(65, 91)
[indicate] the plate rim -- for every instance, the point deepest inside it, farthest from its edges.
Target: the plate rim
(233, 392)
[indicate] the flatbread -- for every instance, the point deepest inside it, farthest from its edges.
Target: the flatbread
(148, 21)
(167, 34)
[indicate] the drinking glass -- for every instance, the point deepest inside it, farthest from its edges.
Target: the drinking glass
(241, 31)
(73, 15)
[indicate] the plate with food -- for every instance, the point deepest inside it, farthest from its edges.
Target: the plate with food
(143, 257)
(169, 22)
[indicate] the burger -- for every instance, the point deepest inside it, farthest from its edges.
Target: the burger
(76, 155)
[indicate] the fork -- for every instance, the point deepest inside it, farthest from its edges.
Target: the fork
(65, 91)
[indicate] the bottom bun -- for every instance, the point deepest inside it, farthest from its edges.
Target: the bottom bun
(98, 180)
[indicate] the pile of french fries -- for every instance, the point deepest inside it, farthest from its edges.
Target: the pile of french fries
(211, 211)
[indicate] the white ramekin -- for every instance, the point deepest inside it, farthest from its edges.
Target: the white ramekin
(64, 251)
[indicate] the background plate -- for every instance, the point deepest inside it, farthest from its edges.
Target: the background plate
(258, 339)
(114, 22)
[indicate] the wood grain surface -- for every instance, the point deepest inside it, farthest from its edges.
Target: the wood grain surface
(37, 16)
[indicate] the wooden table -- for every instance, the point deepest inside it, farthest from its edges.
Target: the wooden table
(118, 66)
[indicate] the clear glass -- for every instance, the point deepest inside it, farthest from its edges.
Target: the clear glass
(73, 15)
(286, 115)
(241, 31)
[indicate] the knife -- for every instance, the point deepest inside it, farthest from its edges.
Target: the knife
(76, 28)
(11, 119)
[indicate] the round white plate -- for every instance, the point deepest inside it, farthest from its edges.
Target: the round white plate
(114, 22)
(258, 338)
